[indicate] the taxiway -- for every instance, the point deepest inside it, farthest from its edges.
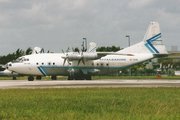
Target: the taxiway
(6, 84)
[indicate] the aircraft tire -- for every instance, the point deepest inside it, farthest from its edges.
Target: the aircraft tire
(54, 77)
(38, 77)
(30, 78)
(14, 78)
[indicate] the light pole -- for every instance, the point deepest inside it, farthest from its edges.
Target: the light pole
(85, 43)
(128, 39)
(129, 45)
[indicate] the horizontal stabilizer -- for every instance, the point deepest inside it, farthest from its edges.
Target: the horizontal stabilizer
(161, 55)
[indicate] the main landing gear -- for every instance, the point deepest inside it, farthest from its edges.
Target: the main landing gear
(14, 78)
(54, 77)
(38, 77)
(30, 78)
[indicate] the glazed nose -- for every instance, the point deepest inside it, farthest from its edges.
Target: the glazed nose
(8, 65)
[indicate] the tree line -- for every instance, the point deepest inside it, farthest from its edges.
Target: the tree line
(13, 56)
(20, 52)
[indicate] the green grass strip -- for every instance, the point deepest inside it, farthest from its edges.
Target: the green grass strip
(90, 104)
(99, 77)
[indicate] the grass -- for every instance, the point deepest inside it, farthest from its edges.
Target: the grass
(26, 77)
(99, 77)
(90, 103)
(136, 77)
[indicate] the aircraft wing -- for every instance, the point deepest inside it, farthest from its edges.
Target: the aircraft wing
(112, 53)
(88, 56)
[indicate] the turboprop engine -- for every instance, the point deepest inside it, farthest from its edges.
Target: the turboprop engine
(84, 56)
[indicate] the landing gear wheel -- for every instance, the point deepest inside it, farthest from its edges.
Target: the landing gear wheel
(53, 77)
(30, 78)
(38, 77)
(14, 78)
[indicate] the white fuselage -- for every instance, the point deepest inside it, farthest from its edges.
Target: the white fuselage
(48, 64)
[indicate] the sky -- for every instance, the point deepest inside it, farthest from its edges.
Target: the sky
(58, 24)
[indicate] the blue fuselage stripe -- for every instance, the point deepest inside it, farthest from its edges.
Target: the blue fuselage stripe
(44, 70)
(41, 71)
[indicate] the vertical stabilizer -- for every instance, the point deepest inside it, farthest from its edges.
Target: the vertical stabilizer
(152, 42)
(92, 47)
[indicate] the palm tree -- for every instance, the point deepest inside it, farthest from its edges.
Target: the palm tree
(29, 51)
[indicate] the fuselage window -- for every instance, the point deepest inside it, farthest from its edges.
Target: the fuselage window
(42, 63)
(92, 64)
(101, 64)
(36, 63)
(27, 59)
(97, 64)
(49, 63)
(53, 63)
(107, 64)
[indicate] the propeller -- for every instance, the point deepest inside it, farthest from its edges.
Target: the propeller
(42, 50)
(68, 49)
(65, 57)
(80, 57)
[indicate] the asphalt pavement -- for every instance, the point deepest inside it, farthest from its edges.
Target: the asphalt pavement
(7, 84)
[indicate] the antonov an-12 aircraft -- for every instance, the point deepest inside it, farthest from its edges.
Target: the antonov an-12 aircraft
(83, 65)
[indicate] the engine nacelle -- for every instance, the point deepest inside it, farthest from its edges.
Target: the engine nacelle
(85, 56)
(90, 56)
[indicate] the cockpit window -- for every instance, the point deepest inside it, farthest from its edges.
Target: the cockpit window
(21, 59)
(18, 60)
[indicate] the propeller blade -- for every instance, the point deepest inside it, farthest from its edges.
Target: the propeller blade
(83, 61)
(63, 51)
(68, 49)
(79, 61)
(42, 50)
(68, 61)
(64, 62)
